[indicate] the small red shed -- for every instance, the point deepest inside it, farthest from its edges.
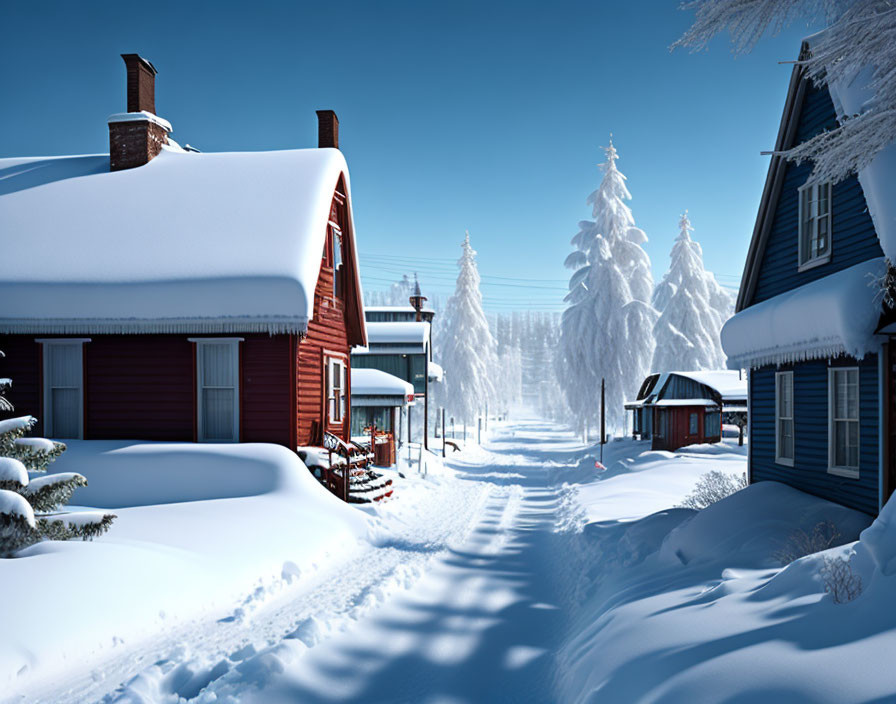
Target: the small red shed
(686, 408)
(159, 293)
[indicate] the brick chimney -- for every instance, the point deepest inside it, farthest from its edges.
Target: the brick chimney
(137, 136)
(327, 129)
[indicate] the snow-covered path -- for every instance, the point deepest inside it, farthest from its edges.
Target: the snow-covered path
(458, 597)
(481, 624)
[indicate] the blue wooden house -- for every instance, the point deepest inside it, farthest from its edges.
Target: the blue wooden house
(810, 326)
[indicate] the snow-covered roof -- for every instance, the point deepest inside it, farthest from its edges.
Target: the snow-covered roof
(392, 332)
(726, 382)
(397, 309)
(436, 373)
(833, 315)
(375, 382)
(374, 387)
(190, 242)
(685, 402)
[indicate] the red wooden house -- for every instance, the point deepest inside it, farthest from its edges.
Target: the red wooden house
(159, 293)
(677, 409)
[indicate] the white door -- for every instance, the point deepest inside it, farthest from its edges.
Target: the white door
(218, 390)
(63, 388)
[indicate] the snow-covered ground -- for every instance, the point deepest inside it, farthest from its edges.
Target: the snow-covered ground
(516, 572)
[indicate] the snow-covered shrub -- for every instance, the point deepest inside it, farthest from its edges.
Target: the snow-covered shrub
(713, 486)
(30, 509)
(840, 581)
(824, 535)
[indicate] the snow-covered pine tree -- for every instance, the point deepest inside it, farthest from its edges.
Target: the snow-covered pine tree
(607, 330)
(858, 36)
(30, 507)
(688, 330)
(467, 345)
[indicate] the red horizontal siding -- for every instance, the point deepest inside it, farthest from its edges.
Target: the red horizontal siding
(326, 334)
(141, 387)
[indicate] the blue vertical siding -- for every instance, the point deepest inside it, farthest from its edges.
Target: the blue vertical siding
(810, 395)
(853, 237)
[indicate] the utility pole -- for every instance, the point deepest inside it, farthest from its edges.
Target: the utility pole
(603, 420)
(443, 432)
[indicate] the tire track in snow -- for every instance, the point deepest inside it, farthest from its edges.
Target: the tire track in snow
(180, 663)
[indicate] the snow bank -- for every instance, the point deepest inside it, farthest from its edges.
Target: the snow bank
(834, 315)
(161, 567)
(639, 481)
(693, 607)
(255, 220)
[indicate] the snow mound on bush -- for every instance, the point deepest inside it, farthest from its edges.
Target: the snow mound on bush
(747, 527)
(129, 473)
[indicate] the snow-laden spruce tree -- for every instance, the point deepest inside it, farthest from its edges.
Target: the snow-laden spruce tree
(467, 345)
(688, 330)
(607, 330)
(860, 34)
(30, 508)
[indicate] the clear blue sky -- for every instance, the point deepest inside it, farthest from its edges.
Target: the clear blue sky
(484, 116)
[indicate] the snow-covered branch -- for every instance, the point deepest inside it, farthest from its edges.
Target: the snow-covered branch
(857, 51)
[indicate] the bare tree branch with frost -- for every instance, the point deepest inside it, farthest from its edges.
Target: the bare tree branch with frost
(859, 45)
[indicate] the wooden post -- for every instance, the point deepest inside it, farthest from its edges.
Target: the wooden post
(603, 420)
(409, 425)
(373, 441)
(426, 405)
(479, 431)
(443, 432)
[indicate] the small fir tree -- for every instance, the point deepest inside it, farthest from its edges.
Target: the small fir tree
(30, 507)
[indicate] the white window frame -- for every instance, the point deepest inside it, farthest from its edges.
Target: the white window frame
(841, 471)
(781, 378)
(46, 343)
(812, 220)
(234, 343)
(333, 403)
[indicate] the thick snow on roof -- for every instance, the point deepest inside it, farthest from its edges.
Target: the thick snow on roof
(834, 315)
(397, 309)
(728, 383)
(375, 382)
(187, 243)
(436, 373)
(398, 332)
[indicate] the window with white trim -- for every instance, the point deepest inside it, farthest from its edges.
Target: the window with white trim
(217, 389)
(784, 418)
(815, 224)
(335, 390)
(843, 423)
(63, 387)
